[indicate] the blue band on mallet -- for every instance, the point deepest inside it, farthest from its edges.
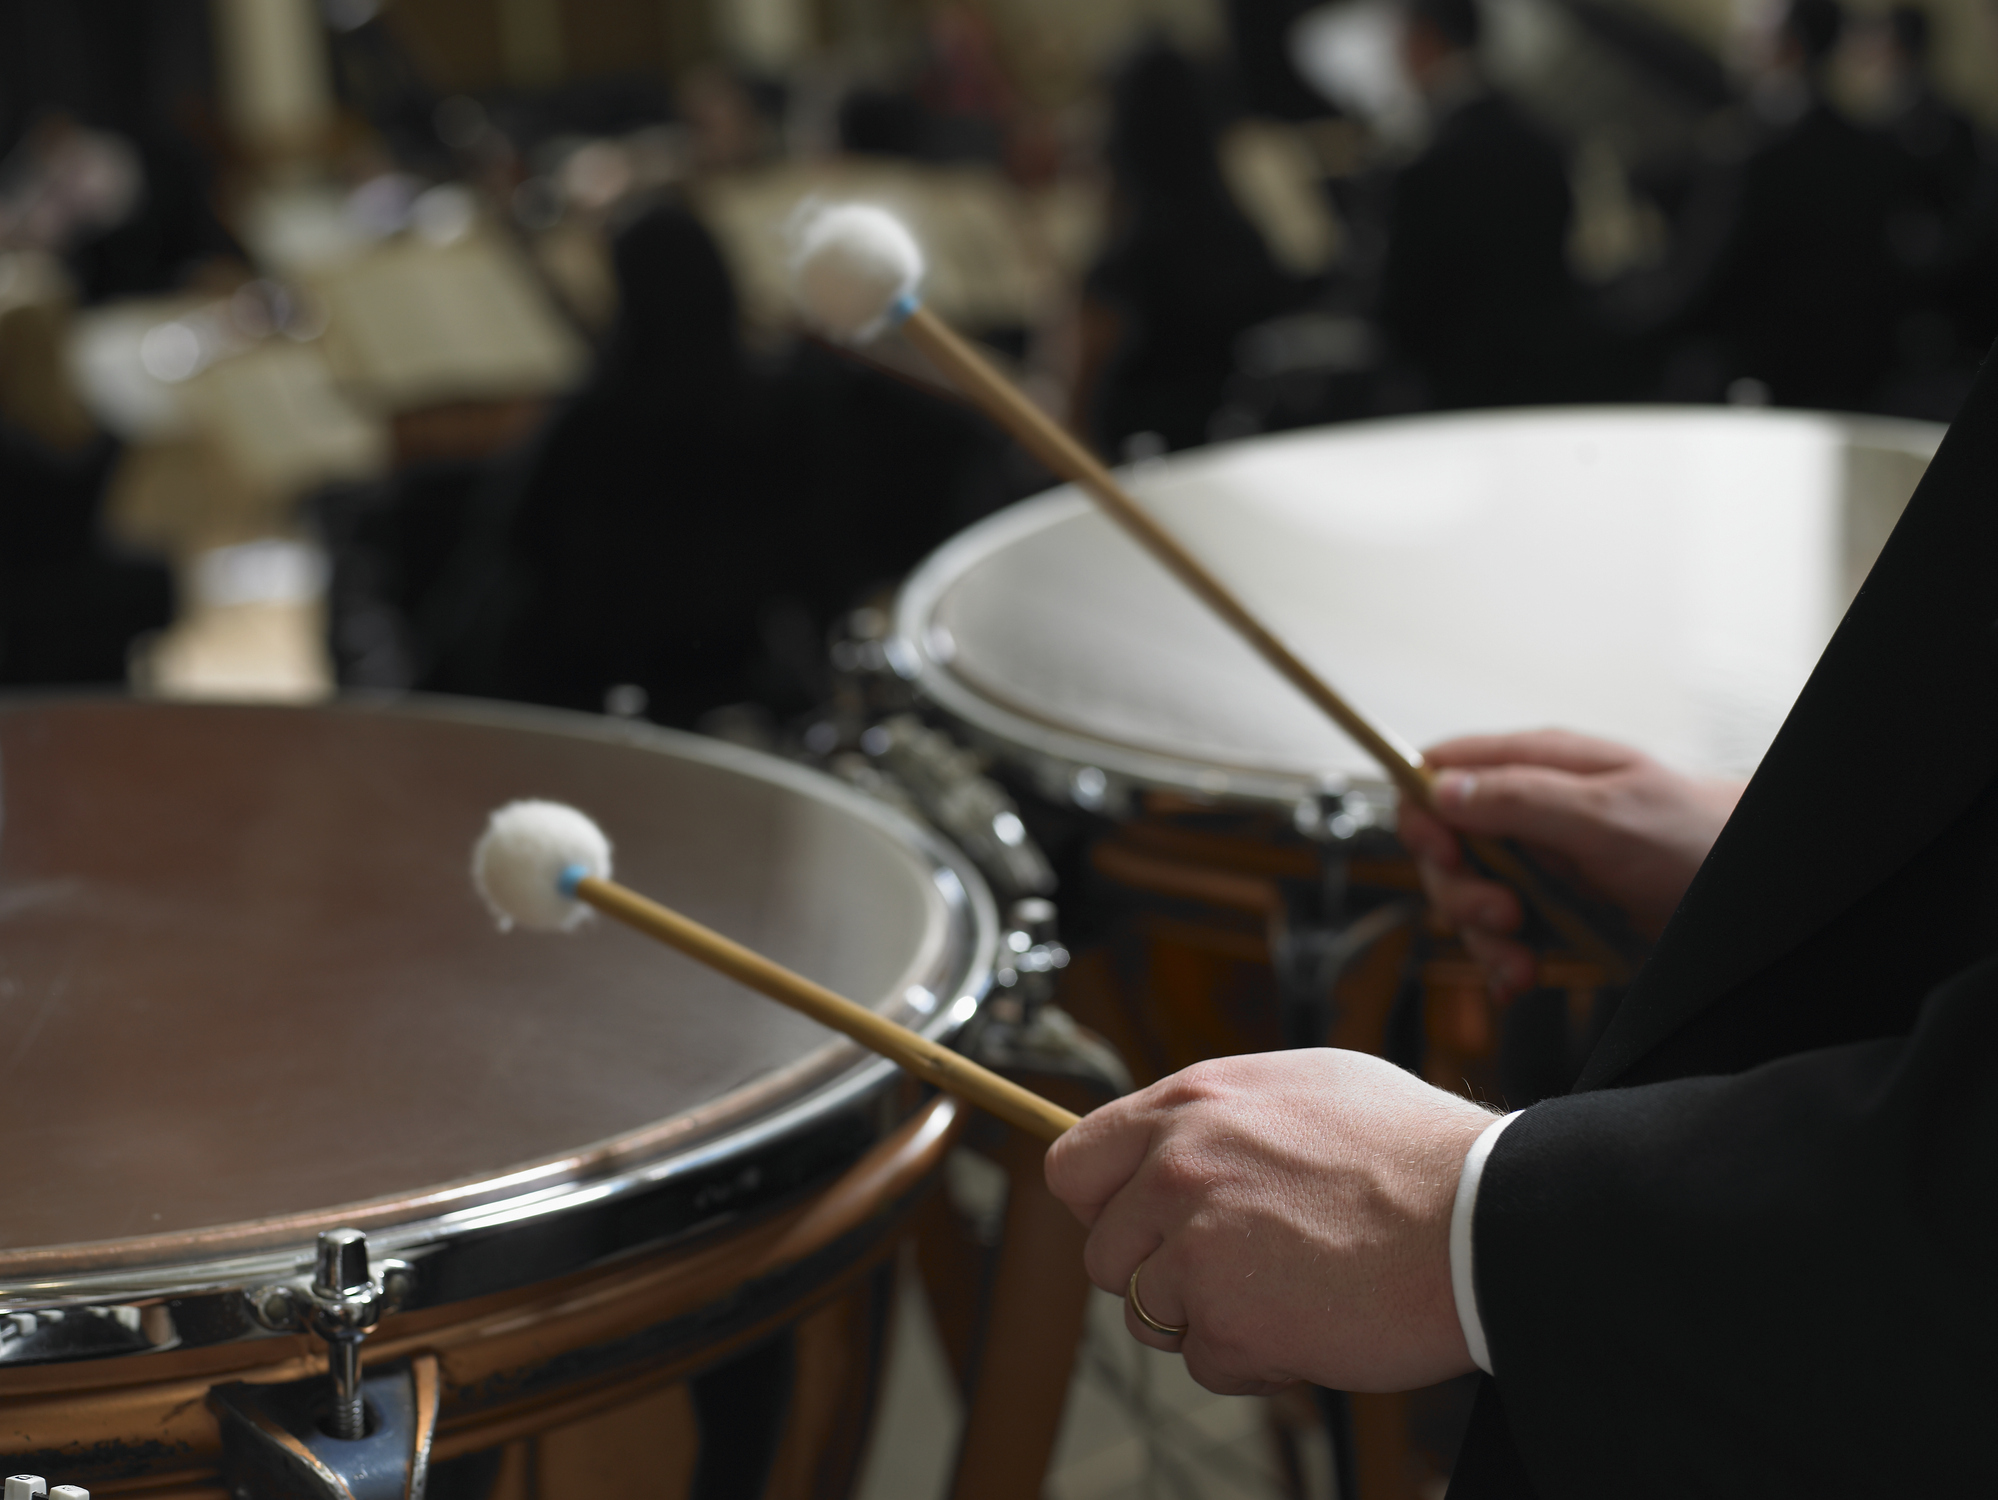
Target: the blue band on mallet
(570, 878)
(901, 309)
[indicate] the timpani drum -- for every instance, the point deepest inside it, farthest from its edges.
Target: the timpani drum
(1666, 578)
(1663, 577)
(621, 1224)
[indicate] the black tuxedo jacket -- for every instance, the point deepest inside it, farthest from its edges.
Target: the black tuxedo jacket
(1756, 1252)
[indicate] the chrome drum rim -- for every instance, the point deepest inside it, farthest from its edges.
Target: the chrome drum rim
(526, 1228)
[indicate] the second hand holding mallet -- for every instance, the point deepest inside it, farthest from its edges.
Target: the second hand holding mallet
(857, 270)
(542, 864)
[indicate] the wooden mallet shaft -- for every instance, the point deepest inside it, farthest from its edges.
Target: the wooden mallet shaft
(930, 1061)
(1059, 450)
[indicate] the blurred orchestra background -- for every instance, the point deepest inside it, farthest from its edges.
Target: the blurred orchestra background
(444, 344)
(384, 346)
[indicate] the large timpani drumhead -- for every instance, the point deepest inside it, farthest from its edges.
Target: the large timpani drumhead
(249, 993)
(1662, 577)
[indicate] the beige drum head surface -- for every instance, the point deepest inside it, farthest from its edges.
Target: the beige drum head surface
(244, 978)
(1663, 577)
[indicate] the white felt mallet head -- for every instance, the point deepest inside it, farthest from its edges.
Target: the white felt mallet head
(527, 862)
(854, 269)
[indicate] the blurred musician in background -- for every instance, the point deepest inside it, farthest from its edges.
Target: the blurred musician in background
(1938, 146)
(682, 532)
(101, 104)
(1789, 282)
(1942, 227)
(99, 172)
(648, 515)
(1184, 271)
(1475, 291)
(71, 604)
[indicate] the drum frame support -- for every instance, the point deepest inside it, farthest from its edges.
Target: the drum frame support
(275, 1443)
(514, 1365)
(1195, 907)
(1015, 1358)
(1017, 1370)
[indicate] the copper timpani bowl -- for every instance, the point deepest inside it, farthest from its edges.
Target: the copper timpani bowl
(247, 994)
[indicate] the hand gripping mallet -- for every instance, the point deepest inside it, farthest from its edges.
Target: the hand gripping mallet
(857, 269)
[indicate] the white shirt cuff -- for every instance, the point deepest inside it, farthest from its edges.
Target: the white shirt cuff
(1462, 1264)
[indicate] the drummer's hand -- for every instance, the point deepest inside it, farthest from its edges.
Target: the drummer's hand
(1293, 1208)
(1618, 825)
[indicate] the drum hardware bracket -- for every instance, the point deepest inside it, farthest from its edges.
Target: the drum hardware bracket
(1030, 954)
(1020, 1028)
(342, 1304)
(275, 1446)
(1338, 813)
(948, 783)
(865, 645)
(1054, 1044)
(1315, 934)
(1310, 957)
(872, 670)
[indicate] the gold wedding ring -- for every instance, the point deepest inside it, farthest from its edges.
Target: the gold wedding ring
(1169, 1330)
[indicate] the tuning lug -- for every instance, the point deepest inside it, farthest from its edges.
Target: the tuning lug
(342, 1303)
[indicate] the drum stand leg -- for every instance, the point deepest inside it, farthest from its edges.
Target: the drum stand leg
(739, 1408)
(1335, 1411)
(1311, 951)
(1016, 1388)
(1023, 1349)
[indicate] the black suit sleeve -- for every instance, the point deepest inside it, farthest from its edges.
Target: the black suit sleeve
(1780, 1282)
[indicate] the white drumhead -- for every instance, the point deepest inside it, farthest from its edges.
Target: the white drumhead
(1665, 577)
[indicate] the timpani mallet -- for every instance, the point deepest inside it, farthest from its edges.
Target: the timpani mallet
(543, 865)
(857, 271)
